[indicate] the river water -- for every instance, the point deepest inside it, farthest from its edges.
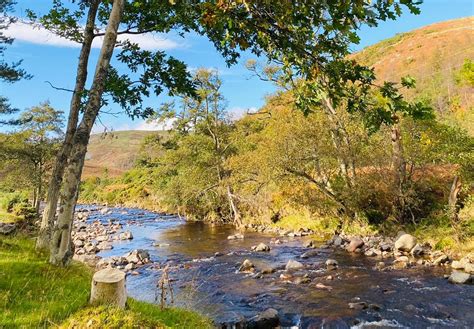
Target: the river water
(412, 298)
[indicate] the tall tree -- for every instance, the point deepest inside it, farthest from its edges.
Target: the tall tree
(307, 37)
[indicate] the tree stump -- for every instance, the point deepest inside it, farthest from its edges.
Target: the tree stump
(108, 288)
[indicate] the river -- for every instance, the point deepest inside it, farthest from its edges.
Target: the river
(419, 297)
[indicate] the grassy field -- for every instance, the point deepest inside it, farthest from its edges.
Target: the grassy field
(34, 294)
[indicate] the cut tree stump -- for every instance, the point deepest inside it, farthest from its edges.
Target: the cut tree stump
(108, 288)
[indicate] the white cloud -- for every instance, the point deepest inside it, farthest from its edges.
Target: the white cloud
(155, 125)
(38, 35)
(238, 112)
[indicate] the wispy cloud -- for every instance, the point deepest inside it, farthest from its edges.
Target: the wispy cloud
(155, 125)
(238, 112)
(38, 35)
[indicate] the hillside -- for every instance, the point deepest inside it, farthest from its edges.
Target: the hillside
(434, 55)
(115, 152)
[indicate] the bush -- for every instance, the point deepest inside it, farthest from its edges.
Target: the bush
(9, 200)
(25, 210)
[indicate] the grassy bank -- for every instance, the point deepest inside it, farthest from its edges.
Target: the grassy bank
(35, 294)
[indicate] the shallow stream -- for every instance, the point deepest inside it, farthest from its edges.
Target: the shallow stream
(414, 298)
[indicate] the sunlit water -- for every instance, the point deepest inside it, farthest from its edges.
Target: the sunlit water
(414, 298)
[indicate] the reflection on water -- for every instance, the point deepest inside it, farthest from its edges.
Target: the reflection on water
(410, 298)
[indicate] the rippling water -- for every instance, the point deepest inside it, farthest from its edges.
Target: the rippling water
(413, 298)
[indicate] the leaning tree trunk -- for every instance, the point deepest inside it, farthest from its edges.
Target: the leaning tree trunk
(61, 236)
(62, 157)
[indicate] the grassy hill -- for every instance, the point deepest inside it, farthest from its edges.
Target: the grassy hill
(434, 55)
(115, 152)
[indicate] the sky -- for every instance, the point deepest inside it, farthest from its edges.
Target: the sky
(50, 58)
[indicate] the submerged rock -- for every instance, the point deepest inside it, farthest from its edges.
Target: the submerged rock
(309, 253)
(236, 236)
(405, 242)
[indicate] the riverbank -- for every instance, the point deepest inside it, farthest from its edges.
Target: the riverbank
(35, 294)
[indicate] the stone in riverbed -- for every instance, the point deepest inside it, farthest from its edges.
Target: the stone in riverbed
(78, 243)
(309, 253)
(104, 245)
(460, 277)
(331, 264)
(101, 238)
(261, 247)
(127, 235)
(267, 319)
(247, 266)
(293, 265)
(301, 280)
(441, 260)
(358, 305)
(405, 242)
(417, 250)
(237, 236)
(354, 244)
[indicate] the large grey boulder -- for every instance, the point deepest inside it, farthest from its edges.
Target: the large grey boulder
(405, 242)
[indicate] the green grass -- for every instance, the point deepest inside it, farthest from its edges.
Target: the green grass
(35, 294)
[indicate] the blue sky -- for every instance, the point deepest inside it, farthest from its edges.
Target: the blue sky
(51, 59)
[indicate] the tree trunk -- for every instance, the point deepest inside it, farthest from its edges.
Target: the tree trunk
(453, 197)
(399, 168)
(61, 238)
(233, 206)
(341, 141)
(62, 157)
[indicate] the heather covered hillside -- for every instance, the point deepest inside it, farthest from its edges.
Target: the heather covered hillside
(437, 56)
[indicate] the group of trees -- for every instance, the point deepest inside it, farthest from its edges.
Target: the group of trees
(280, 162)
(308, 40)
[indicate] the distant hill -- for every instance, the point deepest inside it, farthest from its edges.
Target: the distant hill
(434, 55)
(116, 152)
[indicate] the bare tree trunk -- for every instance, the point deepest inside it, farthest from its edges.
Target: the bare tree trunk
(341, 141)
(62, 157)
(399, 167)
(235, 210)
(453, 197)
(61, 252)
